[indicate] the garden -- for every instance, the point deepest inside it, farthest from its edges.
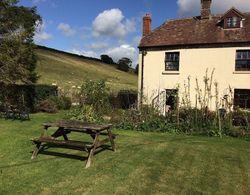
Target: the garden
(144, 163)
(182, 152)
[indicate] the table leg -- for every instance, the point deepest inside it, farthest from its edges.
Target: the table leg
(38, 144)
(111, 140)
(36, 150)
(60, 132)
(44, 131)
(92, 151)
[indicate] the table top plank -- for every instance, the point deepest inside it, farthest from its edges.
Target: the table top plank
(77, 125)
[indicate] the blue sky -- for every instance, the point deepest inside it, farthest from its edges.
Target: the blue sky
(113, 27)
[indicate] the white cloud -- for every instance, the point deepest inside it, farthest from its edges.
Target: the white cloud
(123, 51)
(192, 7)
(111, 23)
(38, 1)
(41, 35)
(85, 53)
(66, 29)
(98, 46)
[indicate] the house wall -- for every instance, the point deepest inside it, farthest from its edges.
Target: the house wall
(193, 63)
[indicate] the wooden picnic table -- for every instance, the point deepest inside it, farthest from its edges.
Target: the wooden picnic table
(64, 127)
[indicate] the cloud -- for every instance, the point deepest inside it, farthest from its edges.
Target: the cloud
(97, 46)
(66, 29)
(41, 35)
(38, 1)
(192, 7)
(85, 53)
(112, 23)
(123, 51)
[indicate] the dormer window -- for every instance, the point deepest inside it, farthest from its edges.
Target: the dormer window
(232, 19)
(233, 22)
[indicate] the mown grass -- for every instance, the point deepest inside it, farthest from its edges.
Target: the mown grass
(67, 71)
(145, 163)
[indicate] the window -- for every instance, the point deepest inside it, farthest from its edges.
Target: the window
(242, 60)
(242, 98)
(171, 99)
(172, 61)
(233, 22)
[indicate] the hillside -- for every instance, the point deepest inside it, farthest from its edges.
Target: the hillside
(68, 70)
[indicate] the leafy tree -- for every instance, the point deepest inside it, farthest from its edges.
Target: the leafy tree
(124, 64)
(106, 59)
(17, 28)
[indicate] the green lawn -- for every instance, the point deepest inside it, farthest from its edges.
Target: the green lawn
(145, 163)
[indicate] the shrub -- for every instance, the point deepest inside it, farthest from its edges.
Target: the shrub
(47, 106)
(62, 102)
(146, 119)
(28, 95)
(85, 114)
(95, 94)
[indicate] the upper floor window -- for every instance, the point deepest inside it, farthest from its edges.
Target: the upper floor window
(172, 61)
(242, 60)
(233, 22)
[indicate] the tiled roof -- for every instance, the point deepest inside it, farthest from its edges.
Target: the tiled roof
(191, 31)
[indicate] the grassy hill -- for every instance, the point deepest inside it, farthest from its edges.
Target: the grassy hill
(67, 70)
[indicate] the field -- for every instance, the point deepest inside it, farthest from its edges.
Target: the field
(67, 71)
(145, 163)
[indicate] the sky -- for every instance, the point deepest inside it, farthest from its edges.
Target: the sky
(112, 27)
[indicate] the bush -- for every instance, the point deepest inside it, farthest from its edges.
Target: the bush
(95, 94)
(62, 102)
(85, 114)
(147, 119)
(27, 95)
(47, 106)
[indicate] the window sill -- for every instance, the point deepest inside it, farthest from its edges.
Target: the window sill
(170, 72)
(241, 72)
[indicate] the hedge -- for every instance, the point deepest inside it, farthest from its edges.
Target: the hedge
(28, 95)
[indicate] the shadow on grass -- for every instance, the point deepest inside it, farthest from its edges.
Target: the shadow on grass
(44, 151)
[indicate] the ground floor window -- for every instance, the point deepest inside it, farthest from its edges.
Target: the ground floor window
(242, 98)
(171, 99)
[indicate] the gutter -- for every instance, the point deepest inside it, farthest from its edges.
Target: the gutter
(196, 45)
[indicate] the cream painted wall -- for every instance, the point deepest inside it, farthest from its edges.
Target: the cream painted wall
(193, 63)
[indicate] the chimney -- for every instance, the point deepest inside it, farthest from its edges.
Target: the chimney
(206, 9)
(146, 24)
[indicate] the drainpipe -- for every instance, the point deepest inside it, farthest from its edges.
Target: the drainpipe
(142, 75)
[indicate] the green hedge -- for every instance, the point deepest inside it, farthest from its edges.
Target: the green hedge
(28, 95)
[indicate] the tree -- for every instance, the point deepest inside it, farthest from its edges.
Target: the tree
(124, 64)
(106, 59)
(17, 56)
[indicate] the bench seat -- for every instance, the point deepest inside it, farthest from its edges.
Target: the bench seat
(65, 143)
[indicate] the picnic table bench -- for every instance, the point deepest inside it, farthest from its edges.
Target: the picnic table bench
(65, 127)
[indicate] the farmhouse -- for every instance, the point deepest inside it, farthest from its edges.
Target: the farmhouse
(175, 57)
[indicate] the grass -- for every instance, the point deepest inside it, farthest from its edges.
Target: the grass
(66, 71)
(145, 163)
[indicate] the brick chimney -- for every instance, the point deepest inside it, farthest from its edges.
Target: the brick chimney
(206, 9)
(146, 24)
